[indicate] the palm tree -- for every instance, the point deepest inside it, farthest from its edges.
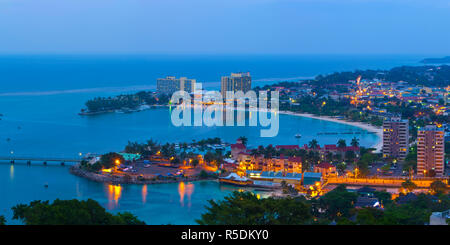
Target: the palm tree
(341, 143)
(313, 144)
(409, 185)
(254, 152)
(329, 156)
(243, 139)
(355, 142)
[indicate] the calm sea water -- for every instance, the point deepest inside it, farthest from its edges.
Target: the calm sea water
(179, 203)
(40, 97)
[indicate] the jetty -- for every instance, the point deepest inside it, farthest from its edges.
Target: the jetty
(44, 160)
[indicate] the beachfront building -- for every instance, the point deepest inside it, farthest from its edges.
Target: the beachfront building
(236, 149)
(280, 163)
(272, 178)
(325, 169)
(430, 151)
(285, 164)
(240, 81)
(395, 138)
(171, 84)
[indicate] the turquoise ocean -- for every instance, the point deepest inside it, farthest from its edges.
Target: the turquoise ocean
(40, 97)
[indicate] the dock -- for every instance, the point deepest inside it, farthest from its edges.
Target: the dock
(43, 160)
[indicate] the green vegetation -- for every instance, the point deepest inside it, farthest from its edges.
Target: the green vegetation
(244, 140)
(384, 197)
(337, 205)
(409, 186)
(245, 208)
(70, 212)
(410, 162)
(417, 75)
(438, 187)
(106, 161)
(125, 102)
(2, 220)
(205, 175)
(416, 212)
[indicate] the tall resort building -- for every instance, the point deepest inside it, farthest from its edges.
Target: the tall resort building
(430, 151)
(241, 81)
(171, 84)
(395, 138)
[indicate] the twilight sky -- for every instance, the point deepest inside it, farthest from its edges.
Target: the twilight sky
(225, 26)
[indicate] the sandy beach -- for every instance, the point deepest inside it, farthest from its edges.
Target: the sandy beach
(365, 126)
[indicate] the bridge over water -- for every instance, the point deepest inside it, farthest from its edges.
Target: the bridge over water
(44, 160)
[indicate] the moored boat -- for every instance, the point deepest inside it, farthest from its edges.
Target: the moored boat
(234, 179)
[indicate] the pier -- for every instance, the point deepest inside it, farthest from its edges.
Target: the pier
(43, 160)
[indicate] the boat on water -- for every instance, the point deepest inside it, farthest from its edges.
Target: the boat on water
(234, 179)
(298, 136)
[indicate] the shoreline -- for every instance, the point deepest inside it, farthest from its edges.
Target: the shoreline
(121, 111)
(75, 170)
(377, 130)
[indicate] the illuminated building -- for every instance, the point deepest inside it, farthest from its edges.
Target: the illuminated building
(241, 81)
(430, 151)
(170, 84)
(395, 138)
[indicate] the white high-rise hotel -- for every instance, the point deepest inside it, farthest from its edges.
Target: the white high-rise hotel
(170, 84)
(241, 81)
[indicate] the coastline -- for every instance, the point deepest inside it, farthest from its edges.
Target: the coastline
(75, 170)
(122, 110)
(377, 130)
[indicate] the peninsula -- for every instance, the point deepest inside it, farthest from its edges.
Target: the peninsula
(443, 60)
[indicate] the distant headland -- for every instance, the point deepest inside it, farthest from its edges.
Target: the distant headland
(445, 59)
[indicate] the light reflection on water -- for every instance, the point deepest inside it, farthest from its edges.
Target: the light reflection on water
(144, 194)
(173, 203)
(114, 193)
(185, 189)
(11, 172)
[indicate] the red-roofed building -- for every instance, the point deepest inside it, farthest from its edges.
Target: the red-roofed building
(287, 147)
(330, 148)
(339, 150)
(325, 168)
(236, 149)
(294, 165)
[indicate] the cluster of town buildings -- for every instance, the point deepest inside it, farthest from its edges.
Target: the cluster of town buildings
(273, 170)
(396, 135)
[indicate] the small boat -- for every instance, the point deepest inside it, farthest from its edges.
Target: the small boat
(46, 186)
(298, 136)
(234, 179)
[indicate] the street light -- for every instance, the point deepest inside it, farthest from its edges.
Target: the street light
(11, 158)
